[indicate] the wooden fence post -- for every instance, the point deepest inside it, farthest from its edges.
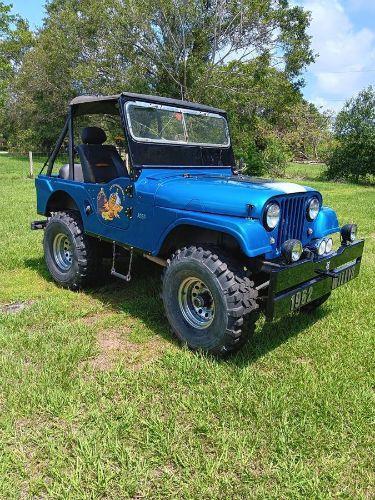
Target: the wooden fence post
(31, 173)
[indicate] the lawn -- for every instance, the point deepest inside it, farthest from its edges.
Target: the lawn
(98, 401)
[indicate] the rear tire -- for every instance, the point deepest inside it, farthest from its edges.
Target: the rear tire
(207, 298)
(72, 257)
(312, 306)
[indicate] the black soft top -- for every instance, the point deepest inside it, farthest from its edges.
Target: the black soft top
(108, 104)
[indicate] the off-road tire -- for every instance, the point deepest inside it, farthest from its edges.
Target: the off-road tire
(233, 294)
(312, 306)
(85, 251)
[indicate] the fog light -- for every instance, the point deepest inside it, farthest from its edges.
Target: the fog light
(349, 233)
(322, 247)
(292, 250)
(329, 245)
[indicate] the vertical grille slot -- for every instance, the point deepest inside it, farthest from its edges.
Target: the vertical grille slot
(292, 219)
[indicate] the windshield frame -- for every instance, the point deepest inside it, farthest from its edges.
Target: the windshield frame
(175, 109)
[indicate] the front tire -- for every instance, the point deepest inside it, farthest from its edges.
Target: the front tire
(207, 299)
(72, 257)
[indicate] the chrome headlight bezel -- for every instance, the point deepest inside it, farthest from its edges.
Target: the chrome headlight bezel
(312, 209)
(268, 224)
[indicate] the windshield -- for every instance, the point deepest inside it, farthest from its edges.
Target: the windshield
(165, 124)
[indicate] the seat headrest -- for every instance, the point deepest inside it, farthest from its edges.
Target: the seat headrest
(93, 135)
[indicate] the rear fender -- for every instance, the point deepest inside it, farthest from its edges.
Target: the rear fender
(55, 194)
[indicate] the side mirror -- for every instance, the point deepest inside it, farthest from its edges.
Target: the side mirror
(241, 166)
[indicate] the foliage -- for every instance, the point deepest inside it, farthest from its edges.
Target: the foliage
(257, 98)
(175, 48)
(276, 156)
(15, 40)
(181, 43)
(354, 156)
(306, 131)
(244, 57)
(272, 160)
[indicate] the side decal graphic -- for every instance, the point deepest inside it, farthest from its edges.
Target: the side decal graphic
(110, 208)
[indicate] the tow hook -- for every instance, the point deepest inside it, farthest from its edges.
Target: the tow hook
(38, 224)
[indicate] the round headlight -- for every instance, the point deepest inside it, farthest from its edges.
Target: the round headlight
(272, 216)
(329, 245)
(322, 247)
(313, 209)
(292, 250)
(349, 233)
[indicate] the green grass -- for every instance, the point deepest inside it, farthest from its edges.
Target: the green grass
(305, 171)
(97, 400)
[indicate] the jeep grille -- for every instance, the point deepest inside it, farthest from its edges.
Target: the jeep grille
(293, 217)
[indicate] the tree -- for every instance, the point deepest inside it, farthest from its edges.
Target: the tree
(307, 131)
(15, 40)
(176, 48)
(181, 43)
(354, 156)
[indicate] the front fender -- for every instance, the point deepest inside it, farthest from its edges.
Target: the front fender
(326, 223)
(250, 234)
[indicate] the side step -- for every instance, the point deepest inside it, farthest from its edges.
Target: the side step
(125, 277)
(38, 224)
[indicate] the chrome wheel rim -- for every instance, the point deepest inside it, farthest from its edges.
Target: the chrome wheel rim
(62, 252)
(196, 303)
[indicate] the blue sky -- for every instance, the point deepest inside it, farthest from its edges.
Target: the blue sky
(32, 10)
(343, 34)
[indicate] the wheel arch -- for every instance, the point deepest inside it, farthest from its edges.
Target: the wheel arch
(60, 201)
(190, 234)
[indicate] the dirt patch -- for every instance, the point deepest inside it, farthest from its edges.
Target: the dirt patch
(95, 318)
(304, 361)
(16, 307)
(114, 347)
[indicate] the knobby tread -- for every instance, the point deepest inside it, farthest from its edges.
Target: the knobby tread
(238, 290)
(88, 253)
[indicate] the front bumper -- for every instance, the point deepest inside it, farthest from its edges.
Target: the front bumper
(295, 285)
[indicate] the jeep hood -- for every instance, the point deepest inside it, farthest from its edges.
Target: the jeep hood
(220, 194)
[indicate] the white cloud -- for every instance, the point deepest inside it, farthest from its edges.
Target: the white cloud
(344, 52)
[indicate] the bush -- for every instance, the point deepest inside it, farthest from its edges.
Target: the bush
(354, 157)
(272, 160)
(352, 160)
(275, 157)
(254, 160)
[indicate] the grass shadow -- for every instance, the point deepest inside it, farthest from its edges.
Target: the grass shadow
(271, 335)
(141, 299)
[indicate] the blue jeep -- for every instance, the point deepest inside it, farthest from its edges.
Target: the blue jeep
(231, 245)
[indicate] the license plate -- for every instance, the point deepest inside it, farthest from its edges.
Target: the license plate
(303, 297)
